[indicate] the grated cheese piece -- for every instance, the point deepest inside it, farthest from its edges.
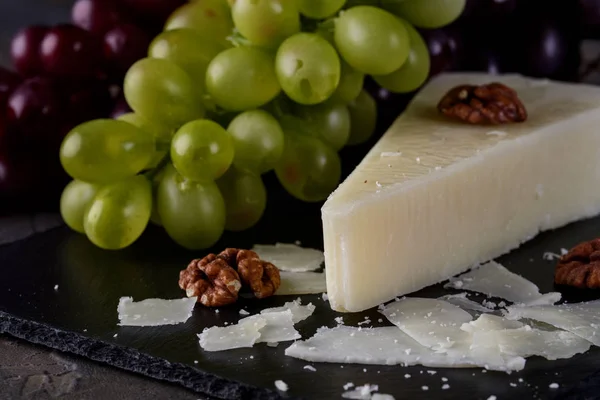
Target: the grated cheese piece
(310, 368)
(361, 392)
(301, 283)
(432, 323)
(290, 257)
(581, 319)
(281, 385)
(382, 396)
(495, 280)
(279, 327)
(243, 334)
(464, 303)
(154, 312)
(299, 312)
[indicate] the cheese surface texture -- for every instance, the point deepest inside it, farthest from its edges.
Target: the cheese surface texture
(436, 196)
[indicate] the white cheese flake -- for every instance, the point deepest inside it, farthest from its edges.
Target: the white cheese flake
(361, 392)
(324, 297)
(348, 385)
(281, 385)
(382, 396)
(154, 312)
(445, 386)
(553, 386)
(495, 280)
(290, 257)
(295, 283)
(55, 287)
(310, 368)
(549, 256)
(299, 312)
(243, 334)
(244, 312)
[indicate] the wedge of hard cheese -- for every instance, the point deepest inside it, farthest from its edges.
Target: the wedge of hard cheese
(435, 196)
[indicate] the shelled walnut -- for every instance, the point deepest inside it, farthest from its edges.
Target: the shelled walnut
(580, 267)
(217, 279)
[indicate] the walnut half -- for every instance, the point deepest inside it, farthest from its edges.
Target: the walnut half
(493, 103)
(261, 276)
(580, 267)
(212, 280)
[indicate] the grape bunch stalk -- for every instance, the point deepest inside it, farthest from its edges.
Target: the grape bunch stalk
(229, 91)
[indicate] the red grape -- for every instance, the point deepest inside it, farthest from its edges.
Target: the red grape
(488, 11)
(444, 49)
(124, 45)
(89, 101)
(97, 16)
(69, 51)
(34, 106)
(25, 50)
(153, 13)
(589, 17)
(8, 82)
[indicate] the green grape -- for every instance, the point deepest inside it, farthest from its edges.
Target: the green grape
(351, 83)
(75, 199)
(413, 72)
(105, 150)
(210, 18)
(371, 40)
(258, 141)
(245, 198)
(426, 13)
(319, 9)
(308, 68)
(328, 122)
(309, 169)
(119, 213)
(242, 78)
(192, 213)
(189, 50)
(162, 135)
(266, 22)
(202, 150)
(160, 90)
(363, 118)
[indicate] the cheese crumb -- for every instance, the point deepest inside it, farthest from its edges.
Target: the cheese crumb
(348, 385)
(281, 385)
(339, 320)
(492, 397)
(115, 335)
(195, 361)
(272, 344)
(244, 312)
(325, 297)
(444, 379)
(425, 387)
(549, 256)
(432, 372)
(55, 287)
(407, 376)
(553, 386)
(445, 386)
(310, 368)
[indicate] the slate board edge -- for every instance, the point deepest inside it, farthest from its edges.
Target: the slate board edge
(134, 361)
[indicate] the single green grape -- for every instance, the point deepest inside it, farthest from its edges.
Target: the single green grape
(363, 118)
(162, 135)
(245, 198)
(202, 150)
(426, 13)
(371, 40)
(119, 213)
(105, 150)
(242, 78)
(266, 22)
(258, 141)
(414, 72)
(319, 9)
(160, 90)
(210, 18)
(75, 199)
(329, 123)
(351, 83)
(192, 213)
(309, 169)
(308, 68)
(189, 50)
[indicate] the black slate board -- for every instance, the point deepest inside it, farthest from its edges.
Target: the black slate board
(81, 316)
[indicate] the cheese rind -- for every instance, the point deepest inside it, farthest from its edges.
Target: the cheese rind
(456, 195)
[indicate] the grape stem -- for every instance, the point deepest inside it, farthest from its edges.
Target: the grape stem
(237, 39)
(161, 164)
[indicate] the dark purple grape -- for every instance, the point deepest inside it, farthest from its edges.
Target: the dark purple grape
(25, 50)
(589, 18)
(487, 11)
(89, 101)
(35, 106)
(445, 49)
(8, 82)
(69, 51)
(124, 45)
(153, 13)
(121, 107)
(97, 16)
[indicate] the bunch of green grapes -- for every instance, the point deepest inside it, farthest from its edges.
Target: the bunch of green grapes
(231, 90)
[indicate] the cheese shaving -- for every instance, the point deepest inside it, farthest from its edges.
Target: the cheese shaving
(290, 257)
(295, 283)
(279, 327)
(581, 319)
(154, 312)
(495, 280)
(243, 334)
(299, 312)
